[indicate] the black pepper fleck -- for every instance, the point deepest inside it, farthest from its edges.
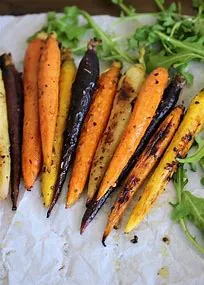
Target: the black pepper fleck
(134, 240)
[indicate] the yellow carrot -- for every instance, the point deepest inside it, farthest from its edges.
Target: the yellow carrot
(150, 156)
(128, 89)
(191, 125)
(67, 76)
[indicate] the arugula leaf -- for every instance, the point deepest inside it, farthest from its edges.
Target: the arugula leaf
(190, 207)
(155, 60)
(187, 206)
(201, 162)
(198, 3)
(111, 48)
(173, 41)
(198, 155)
(193, 166)
(69, 31)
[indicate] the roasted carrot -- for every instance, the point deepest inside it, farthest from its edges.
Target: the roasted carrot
(67, 76)
(14, 99)
(5, 160)
(48, 84)
(31, 148)
(169, 100)
(82, 92)
(150, 156)
(128, 89)
(191, 125)
(144, 110)
(92, 130)
(146, 104)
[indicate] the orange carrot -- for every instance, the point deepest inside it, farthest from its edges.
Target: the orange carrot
(148, 159)
(92, 130)
(31, 148)
(48, 84)
(143, 112)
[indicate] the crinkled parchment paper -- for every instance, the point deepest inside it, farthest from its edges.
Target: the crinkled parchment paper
(35, 250)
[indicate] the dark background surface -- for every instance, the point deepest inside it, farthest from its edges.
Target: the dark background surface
(19, 7)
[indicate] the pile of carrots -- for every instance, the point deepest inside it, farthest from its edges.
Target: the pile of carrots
(113, 129)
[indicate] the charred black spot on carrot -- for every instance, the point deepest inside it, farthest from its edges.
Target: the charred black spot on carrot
(187, 138)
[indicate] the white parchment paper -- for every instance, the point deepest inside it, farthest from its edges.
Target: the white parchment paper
(35, 250)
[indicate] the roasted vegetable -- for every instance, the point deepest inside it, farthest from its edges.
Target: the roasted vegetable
(14, 99)
(191, 125)
(143, 112)
(92, 130)
(169, 100)
(82, 91)
(144, 165)
(48, 84)
(31, 147)
(67, 76)
(5, 161)
(128, 88)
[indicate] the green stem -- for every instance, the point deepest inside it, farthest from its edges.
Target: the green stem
(83, 47)
(106, 39)
(190, 237)
(159, 5)
(125, 9)
(180, 44)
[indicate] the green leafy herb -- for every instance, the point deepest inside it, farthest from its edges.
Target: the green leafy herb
(70, 33)
(174, 40)
(201, 162)
(110, 49)
(193, 167)
(67, 27)
(160, 4)
(188, 207)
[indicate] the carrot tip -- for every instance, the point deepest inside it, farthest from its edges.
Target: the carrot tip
(93, 43)
(82, 229)
(103, 240)
(49, 212)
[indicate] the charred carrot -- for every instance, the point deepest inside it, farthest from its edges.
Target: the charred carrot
(14, 99)
(146, 104)
(128, 89)
(150, 156)
(31, 147)
(82, 91)
(67, 76)
(5, 160)
(191, 125)
(144, 110)
(92, 130)
(169, 100)
(48, 84)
